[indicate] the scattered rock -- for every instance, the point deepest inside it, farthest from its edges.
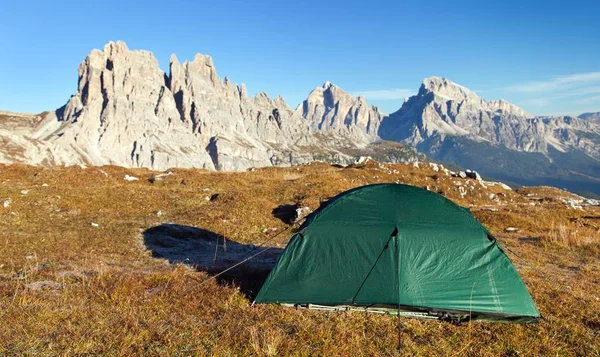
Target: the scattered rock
(7, 203)
(24, 192)
(95, 224)
(45, 185)
(130, 178)
(434, 167)
(362, 160)
(302, 212)
(492, 196)
(163, 175)
(159, 214)
(462, 174)
(592, 202)
(505, 186)
(491, 209)
(415, 164)
(44, 285)
(511, 229)
(473, 174)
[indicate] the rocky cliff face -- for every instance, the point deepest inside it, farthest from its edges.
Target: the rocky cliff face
(330, 109)
(128, 112)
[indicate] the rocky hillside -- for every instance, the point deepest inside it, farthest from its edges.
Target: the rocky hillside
(128, 112)
(453, 124)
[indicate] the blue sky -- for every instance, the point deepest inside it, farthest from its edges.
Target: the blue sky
(541, 55)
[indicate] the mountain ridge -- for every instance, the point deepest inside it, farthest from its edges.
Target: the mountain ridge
(128, 112)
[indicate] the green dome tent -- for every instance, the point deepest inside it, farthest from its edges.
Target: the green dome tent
(398, 249)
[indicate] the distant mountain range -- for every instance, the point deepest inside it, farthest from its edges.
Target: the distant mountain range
(128, 112)
(452, 124)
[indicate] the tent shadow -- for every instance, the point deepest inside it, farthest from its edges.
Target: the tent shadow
(211, 252)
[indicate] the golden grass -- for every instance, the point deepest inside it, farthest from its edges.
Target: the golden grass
(116, 299)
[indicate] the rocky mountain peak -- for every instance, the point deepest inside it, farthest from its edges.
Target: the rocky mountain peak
(445, 89)
(329, 108)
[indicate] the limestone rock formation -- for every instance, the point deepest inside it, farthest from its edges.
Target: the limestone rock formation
(331, 109)
(128, 112)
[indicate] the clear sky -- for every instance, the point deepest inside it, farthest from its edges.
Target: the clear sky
(541, 55)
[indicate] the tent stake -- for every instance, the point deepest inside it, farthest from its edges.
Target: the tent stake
(399, 331)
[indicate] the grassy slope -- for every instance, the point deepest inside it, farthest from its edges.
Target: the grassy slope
(118, 299)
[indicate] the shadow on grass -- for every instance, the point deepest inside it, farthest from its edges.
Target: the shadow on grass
(211, 252)
(287, 213)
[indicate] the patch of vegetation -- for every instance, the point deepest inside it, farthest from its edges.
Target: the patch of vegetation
(81, 230)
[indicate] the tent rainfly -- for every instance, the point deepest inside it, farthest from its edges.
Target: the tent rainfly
(398, 249)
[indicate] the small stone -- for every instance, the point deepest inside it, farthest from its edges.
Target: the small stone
(302, 212)
(511, 229)
(473, 174)
(362, 160)
(95, 224)
(24, 192)
(130, 178)
(159, 213)
(44, 285)
(7, 203)
(45, 185)
(162, 176)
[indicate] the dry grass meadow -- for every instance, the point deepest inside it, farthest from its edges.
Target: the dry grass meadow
(77, 277)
